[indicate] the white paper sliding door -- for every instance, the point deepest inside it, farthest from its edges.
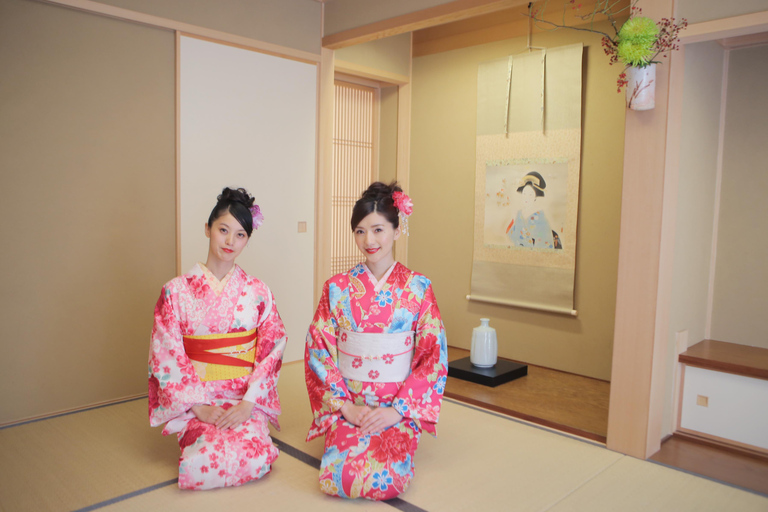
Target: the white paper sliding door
(248, 119)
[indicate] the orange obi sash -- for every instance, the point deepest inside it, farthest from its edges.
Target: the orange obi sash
(222, 356)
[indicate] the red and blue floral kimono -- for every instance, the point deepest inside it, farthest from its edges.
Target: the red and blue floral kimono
(375, 466)
(216, 343)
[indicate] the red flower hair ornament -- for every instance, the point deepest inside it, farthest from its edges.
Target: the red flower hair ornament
(404, 207)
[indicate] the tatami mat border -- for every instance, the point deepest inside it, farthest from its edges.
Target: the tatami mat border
(315, 463)
(126, 496)
(86, 409)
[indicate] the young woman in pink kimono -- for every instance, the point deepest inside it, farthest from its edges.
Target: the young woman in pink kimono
(215, 356)
(375, 360)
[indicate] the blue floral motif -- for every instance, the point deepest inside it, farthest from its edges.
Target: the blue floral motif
(359, 269)
(443, 347)
(402, 321)
(331, 456)
(334, 295)
(426, 398)
(403, 468)
(384, 298)
(440, 384)
(382, 480)
(419, 285)
(400, 405)
(316, 359)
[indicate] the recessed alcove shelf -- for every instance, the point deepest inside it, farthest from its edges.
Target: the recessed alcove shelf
(725, 394)
(728, 357)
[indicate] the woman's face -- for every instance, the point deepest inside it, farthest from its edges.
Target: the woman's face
(375, 237)
(227, 238)
(529, 195)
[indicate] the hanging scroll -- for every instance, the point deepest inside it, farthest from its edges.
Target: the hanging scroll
(527, 179)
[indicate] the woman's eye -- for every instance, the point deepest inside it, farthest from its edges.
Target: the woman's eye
(223, 230)
(241, 235)
(379, 230)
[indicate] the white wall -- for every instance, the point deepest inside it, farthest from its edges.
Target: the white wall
(741, 273)
(248, 119)
(695, 202)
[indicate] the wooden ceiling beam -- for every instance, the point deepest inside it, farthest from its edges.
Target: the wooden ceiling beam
(433, 16)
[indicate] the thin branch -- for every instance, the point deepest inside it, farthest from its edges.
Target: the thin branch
(539, 20)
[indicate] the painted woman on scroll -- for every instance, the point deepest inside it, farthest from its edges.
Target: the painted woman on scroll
(216, 352)
(530, 227)
(375, 360)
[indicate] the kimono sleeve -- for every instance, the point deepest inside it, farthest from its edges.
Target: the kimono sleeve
(270, 345)
(421, 395)
(325, 385)
(174, 386)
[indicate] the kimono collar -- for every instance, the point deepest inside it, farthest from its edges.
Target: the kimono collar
(216, 285)
(379, 284)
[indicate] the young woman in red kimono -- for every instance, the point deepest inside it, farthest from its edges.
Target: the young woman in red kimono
(375, 359)
(215, 356)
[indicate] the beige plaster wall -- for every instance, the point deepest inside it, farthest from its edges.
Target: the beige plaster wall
(292, 23)
(87, 201)
(741, 274)
(345, 14)
(390, 54)
(442, 186)
(696, 11)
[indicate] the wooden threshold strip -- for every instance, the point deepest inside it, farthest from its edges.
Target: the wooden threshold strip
(527, 417)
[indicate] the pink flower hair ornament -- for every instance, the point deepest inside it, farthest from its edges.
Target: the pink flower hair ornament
(258, 218)
(404, 207)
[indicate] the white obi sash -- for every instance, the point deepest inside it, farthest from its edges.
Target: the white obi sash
(375, 357)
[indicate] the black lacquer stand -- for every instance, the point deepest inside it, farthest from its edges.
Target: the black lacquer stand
(503, 371)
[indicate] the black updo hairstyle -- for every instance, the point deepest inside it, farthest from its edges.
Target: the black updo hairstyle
(538, 190)
(236, 201)
(377, 198)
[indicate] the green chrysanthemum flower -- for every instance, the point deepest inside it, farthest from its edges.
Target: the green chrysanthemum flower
(632, 54)
(636, 39)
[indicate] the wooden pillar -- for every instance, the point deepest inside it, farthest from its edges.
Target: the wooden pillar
(637, 375)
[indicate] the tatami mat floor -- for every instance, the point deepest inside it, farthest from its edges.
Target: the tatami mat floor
(109, 459)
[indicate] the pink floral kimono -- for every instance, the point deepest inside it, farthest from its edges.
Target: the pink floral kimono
(216, 343)
(376, 466)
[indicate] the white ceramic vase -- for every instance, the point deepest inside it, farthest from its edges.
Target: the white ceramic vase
(641, 87)
(484, 346)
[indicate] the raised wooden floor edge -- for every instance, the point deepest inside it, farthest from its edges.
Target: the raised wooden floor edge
(720, 445)
(527, 417)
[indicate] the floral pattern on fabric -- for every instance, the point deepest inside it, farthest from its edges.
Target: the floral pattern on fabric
(377, 466)
(190, 305)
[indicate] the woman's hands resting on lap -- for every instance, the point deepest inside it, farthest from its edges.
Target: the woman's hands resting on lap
(224, 418)
(370, 420)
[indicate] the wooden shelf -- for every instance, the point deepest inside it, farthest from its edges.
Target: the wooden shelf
(728, 357)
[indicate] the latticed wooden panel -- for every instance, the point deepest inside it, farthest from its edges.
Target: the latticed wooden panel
(353, 166)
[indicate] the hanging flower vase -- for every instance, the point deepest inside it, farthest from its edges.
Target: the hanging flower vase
(641, 87)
